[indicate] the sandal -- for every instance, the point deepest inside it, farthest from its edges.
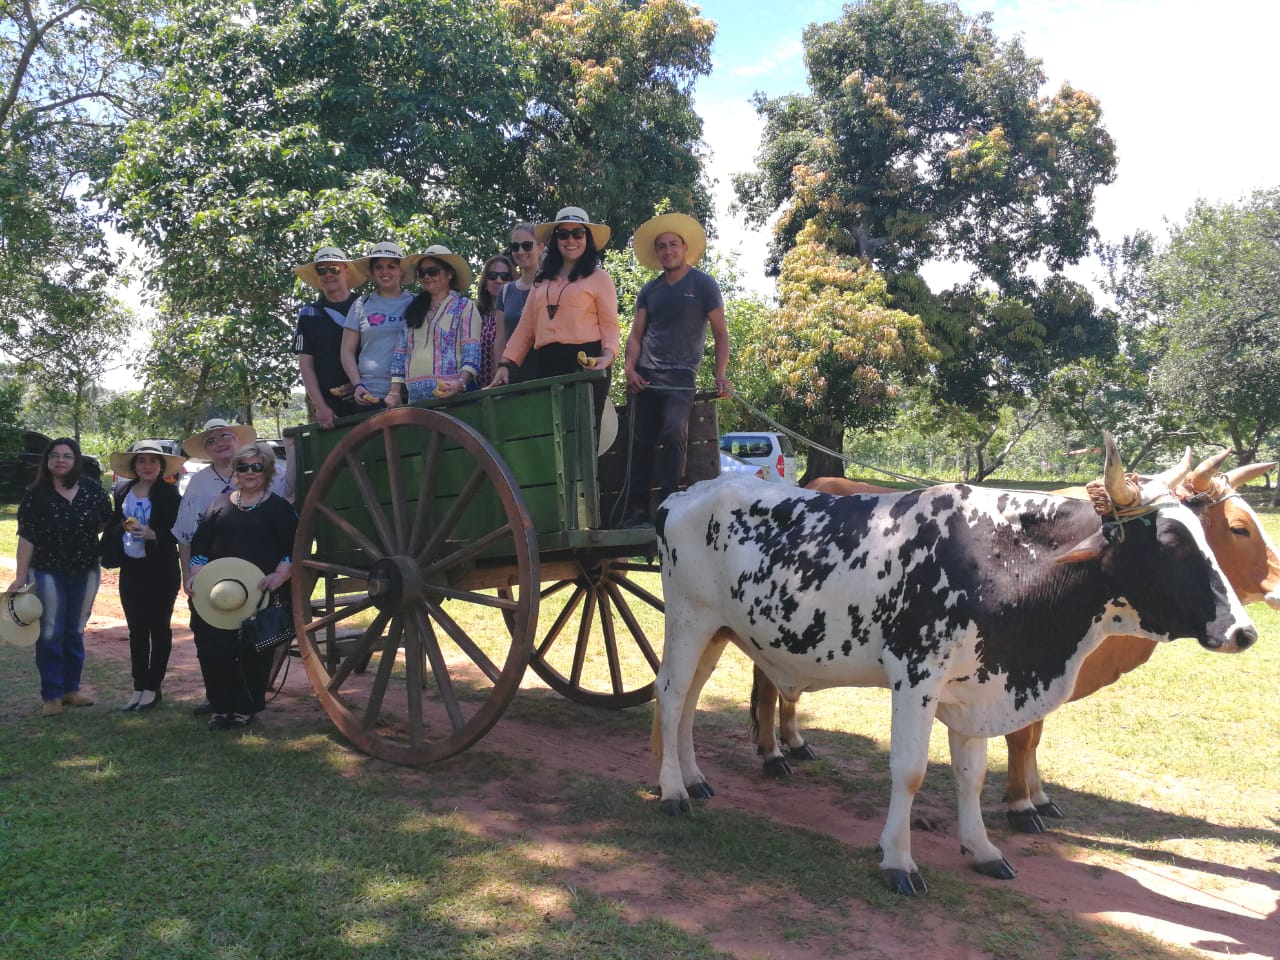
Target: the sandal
(220, 721)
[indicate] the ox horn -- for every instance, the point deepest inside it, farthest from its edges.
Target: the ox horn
(1113, 474)
(1201, 478)
(1172, 476)
(1250, 471)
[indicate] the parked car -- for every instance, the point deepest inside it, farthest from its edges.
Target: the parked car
(772, 451)
(34, 444)
(731, 464)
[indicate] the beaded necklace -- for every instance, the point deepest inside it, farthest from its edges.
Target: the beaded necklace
(238, 496)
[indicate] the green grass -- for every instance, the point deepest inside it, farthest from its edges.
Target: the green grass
(8, 532)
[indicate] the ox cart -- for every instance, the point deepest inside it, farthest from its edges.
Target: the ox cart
(427, 531)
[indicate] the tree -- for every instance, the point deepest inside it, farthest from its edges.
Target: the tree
(838, 350)
(1213, 291)
(923, 137)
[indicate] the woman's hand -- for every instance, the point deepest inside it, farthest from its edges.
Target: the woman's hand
(363, 397)
(392, 399)
(605, 359)
(450, 388)
(188, 583)
(501, 377)
(273, 581)
(18, 584)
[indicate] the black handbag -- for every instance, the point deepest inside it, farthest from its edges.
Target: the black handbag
(267, 629)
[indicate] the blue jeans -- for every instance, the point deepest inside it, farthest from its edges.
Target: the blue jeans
(67, 599)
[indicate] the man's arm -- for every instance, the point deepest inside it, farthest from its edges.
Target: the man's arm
(635, 382)
(324, 413)
(720, 333)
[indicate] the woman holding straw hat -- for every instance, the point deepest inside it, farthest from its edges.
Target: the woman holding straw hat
(572, 308)
(439, 350)
(254, 525)
(59, 520)
(139, 539)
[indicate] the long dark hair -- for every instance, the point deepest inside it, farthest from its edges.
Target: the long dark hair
(45, 479)
(483, 300)
(554, 259)
(416, 313)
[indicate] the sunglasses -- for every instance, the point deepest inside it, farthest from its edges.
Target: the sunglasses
(577, 233)
(327, 269)
(514, 245)
(429, 271)
(249, 468)
(497, 275)
(209, 441)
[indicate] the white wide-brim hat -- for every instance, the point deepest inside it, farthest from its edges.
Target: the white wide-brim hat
(306, 272)
(193, 446)
(577, 217)
(122, 463)
(608, 427)
(386, 250)
(20, 612)
(225, 592)
(437, 251)
(682, 225)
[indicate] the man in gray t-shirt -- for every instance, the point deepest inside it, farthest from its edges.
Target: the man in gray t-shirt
(664, 351)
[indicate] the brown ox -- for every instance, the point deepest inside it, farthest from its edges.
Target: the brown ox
(1239, 543)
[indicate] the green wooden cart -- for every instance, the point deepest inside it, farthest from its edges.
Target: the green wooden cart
(426, 530)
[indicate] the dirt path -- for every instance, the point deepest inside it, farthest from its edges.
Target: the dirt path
(1220, 911)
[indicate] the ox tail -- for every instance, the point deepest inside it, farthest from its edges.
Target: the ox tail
(755, 703)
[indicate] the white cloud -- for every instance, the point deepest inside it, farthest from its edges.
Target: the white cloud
(788, 53)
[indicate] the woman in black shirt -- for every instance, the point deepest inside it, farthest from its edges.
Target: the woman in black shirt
(59, 520)
(253, 524)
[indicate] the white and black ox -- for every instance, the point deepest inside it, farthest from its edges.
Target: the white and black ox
(973, 605)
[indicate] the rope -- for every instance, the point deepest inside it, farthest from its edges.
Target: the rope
(904, 478)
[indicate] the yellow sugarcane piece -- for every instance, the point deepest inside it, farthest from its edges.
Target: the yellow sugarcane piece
(585, 361)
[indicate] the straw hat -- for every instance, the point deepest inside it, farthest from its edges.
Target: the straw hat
(386, 250)
(193, 446)
(225, 592)
(306, 272)
(577, 217)
(608, 427)
(122, 463)
(20, 612)
(682, 225)
(438, 251)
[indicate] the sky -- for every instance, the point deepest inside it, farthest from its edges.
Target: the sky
(1187, 93)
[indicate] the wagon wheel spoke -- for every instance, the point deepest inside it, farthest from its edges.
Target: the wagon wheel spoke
(439, 670)
(473, 549)
(334, 569)
(482, 599)
(386, 663)
(359, 539)
(452, 515)
(554, 632)
(634, 588)
(360, 651)
(637, 631)
(395, 480)
(426, 492)
(611, 649)
(464, 642)
(372, 503)
(584, 638)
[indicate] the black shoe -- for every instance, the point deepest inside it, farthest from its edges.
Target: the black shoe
(203, 710)
(148, 706)
(220, 721)
(239, 720)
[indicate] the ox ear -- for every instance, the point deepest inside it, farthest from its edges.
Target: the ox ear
(1242, 475)
(1090, 548)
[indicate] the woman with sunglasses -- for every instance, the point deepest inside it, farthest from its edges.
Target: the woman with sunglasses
(572, 308)
(59, 520)
(526, 251)
(438, 354)
(498, 271)
(254, 524)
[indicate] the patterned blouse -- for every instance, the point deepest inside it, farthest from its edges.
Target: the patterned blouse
(442, 349)
(62, 532)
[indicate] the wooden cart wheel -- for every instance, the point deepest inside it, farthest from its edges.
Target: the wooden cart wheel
(592, 619)
(411, 503)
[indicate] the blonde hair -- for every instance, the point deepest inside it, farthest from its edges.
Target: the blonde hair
(263, 452)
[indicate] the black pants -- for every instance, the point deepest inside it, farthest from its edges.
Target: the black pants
(234, 682)
(660, 416)
(148, 589)
(555, 359)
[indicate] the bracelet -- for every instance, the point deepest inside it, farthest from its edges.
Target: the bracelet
(509, 364)
(359, 385)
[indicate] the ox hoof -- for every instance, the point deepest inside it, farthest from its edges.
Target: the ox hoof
(677, 807)
(900, 881)
(996, 869)
(1026, 821)
(778, 768)
(802, 752)
(1049, 809)
(701, 791)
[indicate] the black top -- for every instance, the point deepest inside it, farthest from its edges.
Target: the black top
(64, 533)
(263, 535)
(675, 330)
(319, 336)
(163, 550)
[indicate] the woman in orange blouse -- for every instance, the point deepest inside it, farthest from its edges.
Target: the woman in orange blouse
(572, 308)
